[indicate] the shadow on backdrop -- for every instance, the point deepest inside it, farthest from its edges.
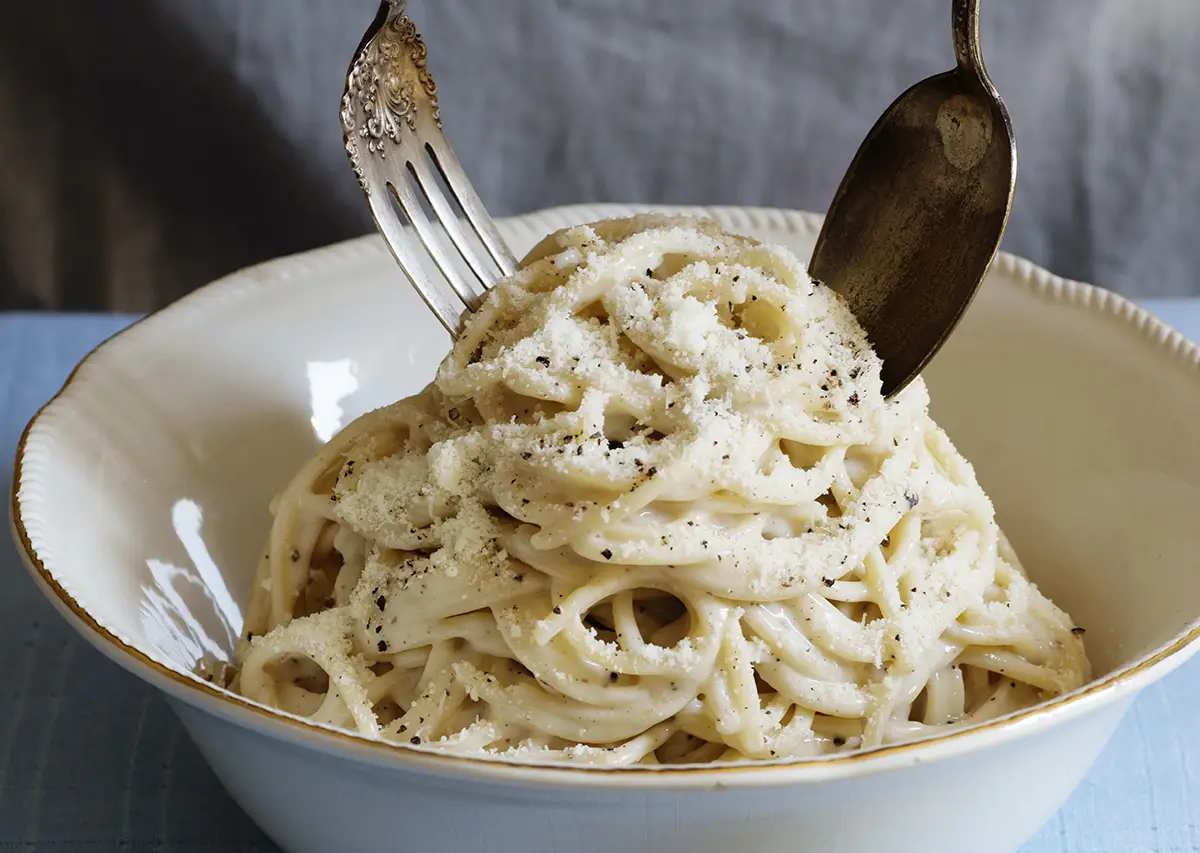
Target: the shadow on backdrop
(120, 136)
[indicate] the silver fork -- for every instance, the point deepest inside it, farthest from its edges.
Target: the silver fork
(393, 133)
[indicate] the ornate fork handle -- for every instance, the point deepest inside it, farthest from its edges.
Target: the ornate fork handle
(387, 77)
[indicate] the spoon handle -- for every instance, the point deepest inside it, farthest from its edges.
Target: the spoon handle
(966, 37)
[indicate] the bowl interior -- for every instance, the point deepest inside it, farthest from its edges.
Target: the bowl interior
(144, 487)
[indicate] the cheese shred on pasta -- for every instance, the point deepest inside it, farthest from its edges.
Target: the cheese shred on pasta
(653, 510)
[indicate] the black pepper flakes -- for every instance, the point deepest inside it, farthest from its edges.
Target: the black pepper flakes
(542, 360)
(525, 454)
(415, 740)
(839, 741)
(1078, 632)
(557, 610)
(383, 646)
(381, 602)
(828, 581)
(606, 553)
(452, 414)
(912, 498)
(612, 676)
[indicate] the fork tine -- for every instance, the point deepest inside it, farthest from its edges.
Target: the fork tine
(444, 306)
(456, 179)
(447, 217)
(406, 197)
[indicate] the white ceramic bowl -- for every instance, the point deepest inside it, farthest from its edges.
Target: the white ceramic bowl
(140, 500)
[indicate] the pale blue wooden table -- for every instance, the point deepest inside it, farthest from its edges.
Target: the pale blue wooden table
(91, 760)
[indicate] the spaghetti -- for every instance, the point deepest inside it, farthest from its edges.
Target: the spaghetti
(654, 509)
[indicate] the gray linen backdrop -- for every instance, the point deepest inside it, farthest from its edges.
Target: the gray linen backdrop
(148, 146)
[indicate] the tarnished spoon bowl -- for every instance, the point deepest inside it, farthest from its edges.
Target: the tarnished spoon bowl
(918, 217)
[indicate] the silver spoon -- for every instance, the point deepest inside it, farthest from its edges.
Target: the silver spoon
(918, 217)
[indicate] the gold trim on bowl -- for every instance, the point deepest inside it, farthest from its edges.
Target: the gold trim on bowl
(1041, 282)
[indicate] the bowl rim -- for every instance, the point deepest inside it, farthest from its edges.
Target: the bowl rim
(1040, 283)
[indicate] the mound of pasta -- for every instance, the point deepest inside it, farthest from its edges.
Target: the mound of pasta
(653, 510)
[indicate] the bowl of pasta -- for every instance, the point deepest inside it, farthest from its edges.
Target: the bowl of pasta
(643, 560)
